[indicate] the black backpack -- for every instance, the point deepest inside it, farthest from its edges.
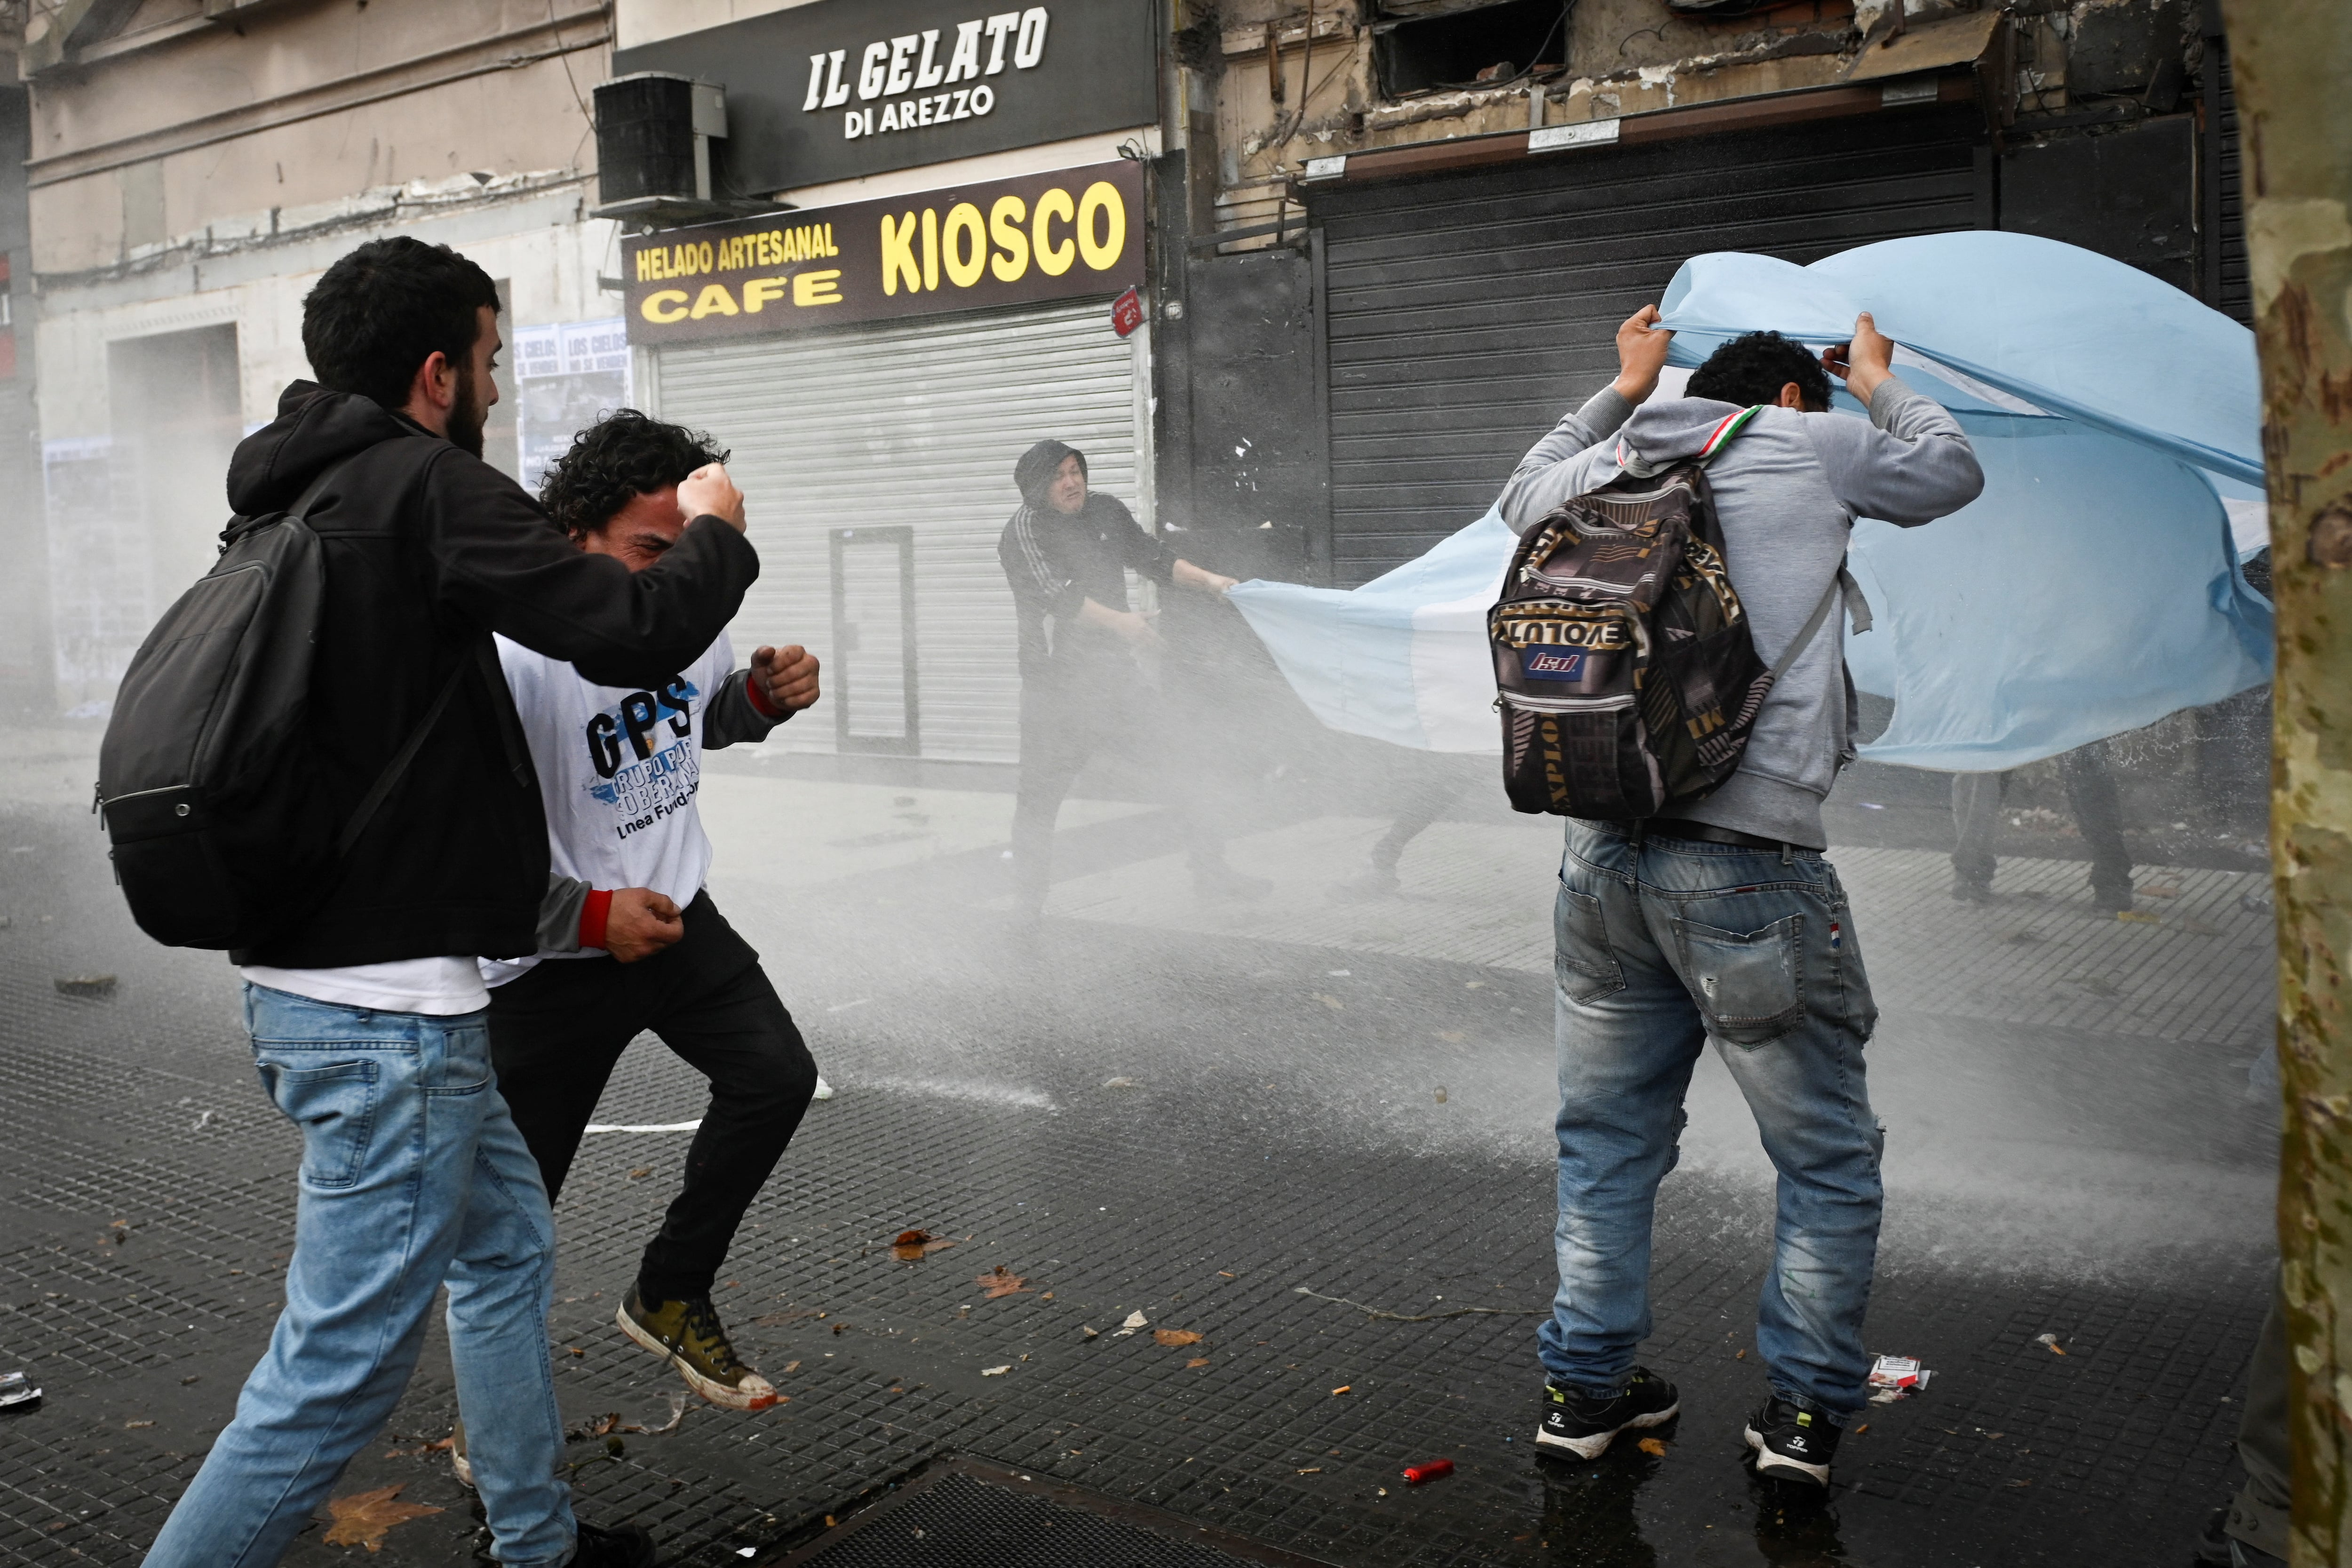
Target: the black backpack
(1626, 677)
(206, 783)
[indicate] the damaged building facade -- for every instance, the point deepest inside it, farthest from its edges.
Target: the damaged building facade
(194, 165)
(1427, 217)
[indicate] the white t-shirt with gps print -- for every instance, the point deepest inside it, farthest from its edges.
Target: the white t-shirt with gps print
(619, 768)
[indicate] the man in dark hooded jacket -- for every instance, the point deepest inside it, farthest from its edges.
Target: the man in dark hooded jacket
(367, 1008)
(1066, 553)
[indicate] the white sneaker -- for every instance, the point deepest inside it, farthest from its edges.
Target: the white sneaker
(460, 1465)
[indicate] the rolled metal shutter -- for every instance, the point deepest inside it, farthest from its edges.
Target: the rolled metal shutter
(1463, 313)
(911, 424)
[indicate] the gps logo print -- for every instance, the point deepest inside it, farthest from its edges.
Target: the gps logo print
(634, 718)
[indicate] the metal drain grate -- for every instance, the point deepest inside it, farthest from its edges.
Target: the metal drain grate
(962, 1514)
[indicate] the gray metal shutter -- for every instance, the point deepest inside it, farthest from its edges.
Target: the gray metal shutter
(1466, 311)
(911, 424)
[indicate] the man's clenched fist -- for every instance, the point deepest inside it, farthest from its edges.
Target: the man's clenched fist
(787, 676)
(640, 923)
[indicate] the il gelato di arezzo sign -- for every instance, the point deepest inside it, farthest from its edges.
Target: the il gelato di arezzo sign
(1065, 235)
(892, 67)
(840, 89)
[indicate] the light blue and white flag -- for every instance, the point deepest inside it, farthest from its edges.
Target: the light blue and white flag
(2092, 589)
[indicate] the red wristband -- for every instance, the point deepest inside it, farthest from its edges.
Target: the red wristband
(594, 914)
(760, 698)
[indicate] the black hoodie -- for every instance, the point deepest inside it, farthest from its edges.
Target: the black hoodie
(428, 552)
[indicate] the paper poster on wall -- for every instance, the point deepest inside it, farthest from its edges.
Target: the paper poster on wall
(566, 373)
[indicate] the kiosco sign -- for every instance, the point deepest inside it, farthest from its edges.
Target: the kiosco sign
(1041, 236)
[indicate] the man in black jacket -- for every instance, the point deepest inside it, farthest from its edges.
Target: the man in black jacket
(1066, 553)
(366, 1010)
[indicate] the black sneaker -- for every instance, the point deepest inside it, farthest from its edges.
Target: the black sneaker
(1792, 1442)
(627, 1547)
(1582, 1424)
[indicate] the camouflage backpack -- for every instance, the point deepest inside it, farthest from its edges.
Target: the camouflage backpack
(1627, 679)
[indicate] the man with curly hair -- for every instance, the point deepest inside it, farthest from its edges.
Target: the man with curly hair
(630, 939)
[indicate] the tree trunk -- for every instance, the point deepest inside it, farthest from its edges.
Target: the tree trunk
(2290, 58)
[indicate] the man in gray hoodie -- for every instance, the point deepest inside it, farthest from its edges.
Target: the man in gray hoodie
(1726, 922)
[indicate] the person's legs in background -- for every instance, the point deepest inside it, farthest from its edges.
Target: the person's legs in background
(2091, 795)
(1057, 736)
(401, 1123)
(1431, 781)
(2252, 1532)
(1976, 819)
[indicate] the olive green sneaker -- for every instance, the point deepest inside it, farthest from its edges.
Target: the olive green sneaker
(689, 1336)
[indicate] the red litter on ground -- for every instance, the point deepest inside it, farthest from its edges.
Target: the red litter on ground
(1895, 1377)
(1416, 1474)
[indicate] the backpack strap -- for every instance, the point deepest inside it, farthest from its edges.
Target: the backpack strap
(385, 780)
(1841, 587)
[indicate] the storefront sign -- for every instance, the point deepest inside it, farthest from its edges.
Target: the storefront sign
(837, 89)
(1006, 242)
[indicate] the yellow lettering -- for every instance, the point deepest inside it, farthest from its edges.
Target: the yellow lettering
(1102, 197)
(644, 266)
(714, 300)
(1052, 260)
(963, 271)
(664, 306)
(1011, 257)
(816, 287)
(898, 256)
(830, 248)
(703, 262)
(930, 249)
(758, 291)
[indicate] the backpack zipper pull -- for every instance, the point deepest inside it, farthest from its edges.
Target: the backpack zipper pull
(98, 801)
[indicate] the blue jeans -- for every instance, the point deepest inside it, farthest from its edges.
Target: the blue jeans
(1662, 945)
(412, 1175)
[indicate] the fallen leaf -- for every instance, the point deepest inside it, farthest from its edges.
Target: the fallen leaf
(1653, 1445)
(996, 1371)
(1227, 1273)
(1196, 1360)
(2137, 916)
(1860, 1429)
(443, 1446)
(2162, 890)
(1046, 1297)
(1120, 1083)
(1331, 1002)
(1740, 1355)
(791, 1366)
(1312, 1471)
(132, 1425)
(1001, 1281)
(1135, 1320)
(576, 1351)
(1342, 1388)
(360, 1519)
(1174, 1337)
(639, 1173)
(914, 1245)
(1089, 1333)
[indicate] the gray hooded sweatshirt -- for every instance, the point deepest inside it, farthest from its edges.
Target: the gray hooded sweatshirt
(1787, 491)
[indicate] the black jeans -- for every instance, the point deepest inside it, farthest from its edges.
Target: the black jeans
(1062, 728)
(557, 1032)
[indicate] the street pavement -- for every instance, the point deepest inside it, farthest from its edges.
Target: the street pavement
(1313, 1131)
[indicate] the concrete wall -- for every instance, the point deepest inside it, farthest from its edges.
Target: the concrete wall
(186, 175)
